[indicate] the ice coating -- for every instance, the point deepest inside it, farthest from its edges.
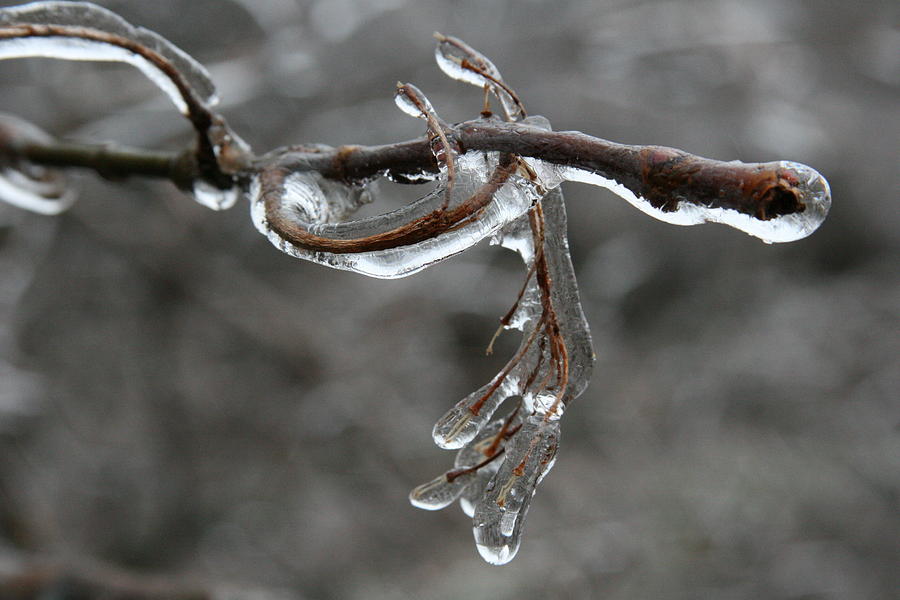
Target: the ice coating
(811, 188)
(308, 189)
(500, 515)
(421, 108)
(462, 423)
(83, 22)
(440, 491)
(214, 198)
(498, 496)
(461, 62)
(526, 375)
(473, 468)
(26, 185)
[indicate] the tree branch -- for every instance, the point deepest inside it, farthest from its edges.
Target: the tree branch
(111, 162)
(662, 176)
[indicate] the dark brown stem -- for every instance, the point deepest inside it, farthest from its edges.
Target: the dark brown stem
(663, 176)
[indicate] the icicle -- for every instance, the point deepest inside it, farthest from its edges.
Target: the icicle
(532, 364)
(551, 368)
(500, 515)
(26, 185)
(88, 32)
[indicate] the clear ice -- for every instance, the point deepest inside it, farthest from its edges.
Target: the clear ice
(321, 206)
(457, 59)
(500, 461)
(500, 514)
(88, 32)
(92, 17)
(813, 191)
(214, 198)
(26, 185)
(497, 497)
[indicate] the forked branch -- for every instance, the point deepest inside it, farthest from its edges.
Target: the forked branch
(496, 178)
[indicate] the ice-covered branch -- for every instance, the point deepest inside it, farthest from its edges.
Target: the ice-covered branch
(494, 178)
(777, 201)
(85, 32)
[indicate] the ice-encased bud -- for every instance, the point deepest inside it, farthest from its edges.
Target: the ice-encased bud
(463, 422)
(412, 101)
(500, 514)
(23, 184)
(460, 61)
(440, 491)
(479, 449)
(443, 490)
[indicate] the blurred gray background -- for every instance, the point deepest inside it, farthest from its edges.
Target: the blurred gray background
(179, 398)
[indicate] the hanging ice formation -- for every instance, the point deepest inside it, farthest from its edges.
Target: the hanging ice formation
(513, 200)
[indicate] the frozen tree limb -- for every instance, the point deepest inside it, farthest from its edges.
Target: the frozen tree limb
(495, 178)
(665, 177)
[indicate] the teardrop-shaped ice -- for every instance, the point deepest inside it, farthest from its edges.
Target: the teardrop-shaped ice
(440, 491)
(212, 197)
(85, 31)
(460, 61)
(412, 101)
(500, 514)
(459, 426)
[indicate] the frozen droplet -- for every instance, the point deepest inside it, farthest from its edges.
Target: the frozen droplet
(440, 491)
(412, 101)
(212, 197)
(460, 61)
(91, 36)
(462, 423)
(26, 185)
(500, 514)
